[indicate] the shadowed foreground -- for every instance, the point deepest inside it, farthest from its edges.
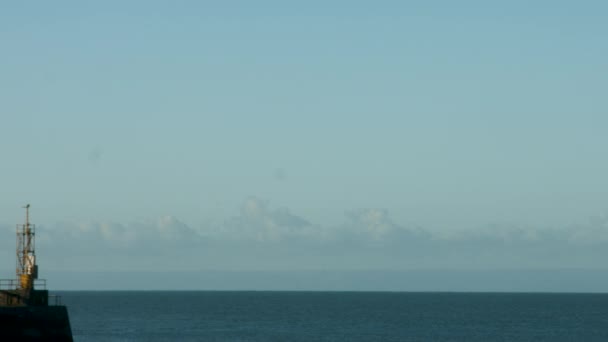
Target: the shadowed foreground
(39, 323)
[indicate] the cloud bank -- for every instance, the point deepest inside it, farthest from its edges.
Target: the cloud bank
(258, 222)
(262, 237)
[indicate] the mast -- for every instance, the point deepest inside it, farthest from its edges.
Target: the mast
(27, 270)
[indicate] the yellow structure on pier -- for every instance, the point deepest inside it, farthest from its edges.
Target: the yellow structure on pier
(27, 269)
(25, 313)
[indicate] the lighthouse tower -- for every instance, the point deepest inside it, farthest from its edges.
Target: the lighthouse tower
(27, 269)
(25, 311)
(27, 289)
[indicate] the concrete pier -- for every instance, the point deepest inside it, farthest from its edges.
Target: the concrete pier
(35, 323)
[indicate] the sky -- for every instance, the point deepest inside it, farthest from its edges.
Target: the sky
(309, 135)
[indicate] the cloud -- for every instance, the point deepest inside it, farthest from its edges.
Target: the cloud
(261, 236)
(257, 221)
(595, 230)
(164, 232)
(373, 222)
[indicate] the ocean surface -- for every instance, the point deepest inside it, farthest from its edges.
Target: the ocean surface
(335, 316)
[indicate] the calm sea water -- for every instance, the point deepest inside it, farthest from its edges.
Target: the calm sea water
(336, 316)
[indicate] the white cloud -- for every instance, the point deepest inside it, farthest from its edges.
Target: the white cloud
(261, 236)
(374, 223)
(166, 231)
(257, 221)
(595, 230)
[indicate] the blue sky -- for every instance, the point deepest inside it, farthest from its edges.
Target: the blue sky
(447, 115)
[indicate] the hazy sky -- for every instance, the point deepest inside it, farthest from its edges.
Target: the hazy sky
(439, 115)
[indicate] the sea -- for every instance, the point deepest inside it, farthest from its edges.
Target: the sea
(335, 316)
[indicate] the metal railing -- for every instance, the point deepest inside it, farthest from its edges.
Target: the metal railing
(9, 284)
(14, 284)
(15, 297)
(40, 284)
(54, 300)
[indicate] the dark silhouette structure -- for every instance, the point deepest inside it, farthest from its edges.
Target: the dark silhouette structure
(25, 313)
